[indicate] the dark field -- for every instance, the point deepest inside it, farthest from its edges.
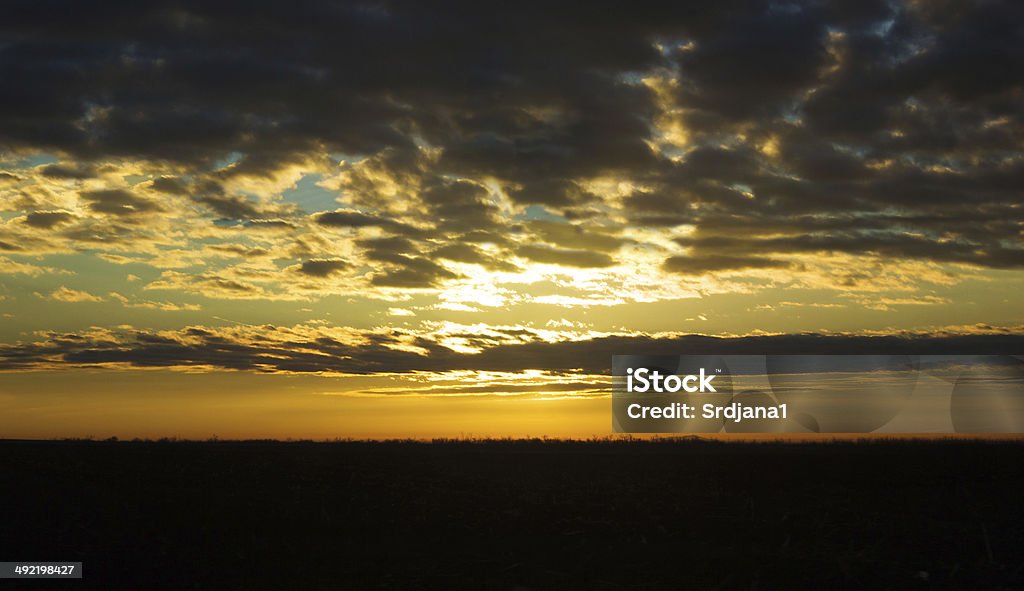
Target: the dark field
(524, 515)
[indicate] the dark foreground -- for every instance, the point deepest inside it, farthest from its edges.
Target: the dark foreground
(523, 515)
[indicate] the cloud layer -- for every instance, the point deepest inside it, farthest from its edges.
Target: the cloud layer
(558, 155)
(450, 348)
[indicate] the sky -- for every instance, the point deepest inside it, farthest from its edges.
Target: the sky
(408, 219)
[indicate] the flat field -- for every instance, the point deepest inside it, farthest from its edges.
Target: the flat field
(517, 514)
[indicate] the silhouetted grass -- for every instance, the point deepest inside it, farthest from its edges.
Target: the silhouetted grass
(501, 514)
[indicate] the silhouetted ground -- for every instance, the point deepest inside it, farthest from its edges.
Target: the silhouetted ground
(508, 514)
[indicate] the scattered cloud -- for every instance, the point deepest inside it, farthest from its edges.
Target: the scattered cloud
(65, 294)
(322, 267)
(866, 149)
(153, 305)
(48, 219)
(12, 267)
(447, 347)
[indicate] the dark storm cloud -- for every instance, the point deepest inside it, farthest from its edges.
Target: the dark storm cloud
(297, 350)
(753, 68)
(191, 82)
(905, 120)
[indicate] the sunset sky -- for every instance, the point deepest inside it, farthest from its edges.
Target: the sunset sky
(412, 219)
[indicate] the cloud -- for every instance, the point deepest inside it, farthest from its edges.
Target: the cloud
(118, 202)
(152, 305)
(270, 225)
(863, 242)
(451, 348)
(68, 171)
(65, 294)
(231, 207)
(414, 274)
(355, 219)
(404, 270)
(232, 284)
(48, 219)
(576, 236)
(463, 252)
(171, 185)
(7, 178)
(12, 267)
(716, 138)
(322, 267)
(565, 256)
(238, 250)
(885, 304)
(704, 263)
